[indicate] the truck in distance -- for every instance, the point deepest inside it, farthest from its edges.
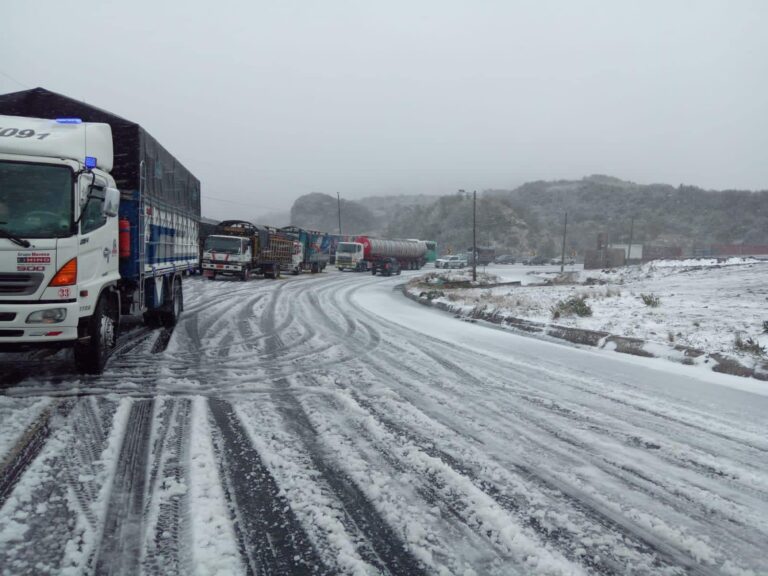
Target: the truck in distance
(365, 253)
(239, 248)
(311, 249)
(350, 256)
(99, 221)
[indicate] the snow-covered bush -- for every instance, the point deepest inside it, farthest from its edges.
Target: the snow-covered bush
(575, 305)
(650, 300)
(750, 345)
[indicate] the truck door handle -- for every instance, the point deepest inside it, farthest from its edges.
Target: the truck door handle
(105, 252)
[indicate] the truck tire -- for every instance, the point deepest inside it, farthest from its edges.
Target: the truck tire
(171, 316)
(277, 272)
(212, 276)
(245, 275)
(373, 271)
(91, 357)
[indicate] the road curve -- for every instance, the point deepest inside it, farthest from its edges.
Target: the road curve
(325, 425)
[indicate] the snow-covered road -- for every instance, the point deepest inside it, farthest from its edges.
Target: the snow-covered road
(327, 425)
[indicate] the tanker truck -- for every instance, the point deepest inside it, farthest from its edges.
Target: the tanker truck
(97, 221)
(366, 253)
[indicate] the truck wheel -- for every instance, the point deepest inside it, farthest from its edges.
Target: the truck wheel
(171, 316)
(246, 275)
(277, 273)
(91, 357)
(212, 276)
(295, 271)
(373, 271)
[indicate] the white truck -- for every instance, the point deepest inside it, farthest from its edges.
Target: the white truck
(239, 248)
(77, 248)
(350, 256)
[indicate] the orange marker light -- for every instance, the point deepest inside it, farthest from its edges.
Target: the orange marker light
(67, 275)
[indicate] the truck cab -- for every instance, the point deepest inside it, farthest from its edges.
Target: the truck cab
(350, 256)
(58, 236)
(227, 255)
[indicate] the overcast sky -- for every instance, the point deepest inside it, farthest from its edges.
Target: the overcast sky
(266, 101)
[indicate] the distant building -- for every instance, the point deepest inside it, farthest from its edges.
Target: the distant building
(727, 250)
(661, 253)
(605, 258)
(632, 253)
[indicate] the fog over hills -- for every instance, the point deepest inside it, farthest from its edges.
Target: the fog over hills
(529, 219)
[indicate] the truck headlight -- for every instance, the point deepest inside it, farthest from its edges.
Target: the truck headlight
(50, 316)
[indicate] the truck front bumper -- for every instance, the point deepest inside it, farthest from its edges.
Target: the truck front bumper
(16, 333)
(222, 267)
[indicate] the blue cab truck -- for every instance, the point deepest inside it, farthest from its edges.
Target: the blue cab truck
(101, 222)
(312, 249)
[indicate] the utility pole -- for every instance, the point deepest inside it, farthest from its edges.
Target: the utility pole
(631, 232)
(338, 201)
(474, 236)
(562, 252)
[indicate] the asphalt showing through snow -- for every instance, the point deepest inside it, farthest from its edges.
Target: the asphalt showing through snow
(292, 427)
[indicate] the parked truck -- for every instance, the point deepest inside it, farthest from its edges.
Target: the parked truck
(97, 221)
(311, 249)
(365, 253)
(240, 248)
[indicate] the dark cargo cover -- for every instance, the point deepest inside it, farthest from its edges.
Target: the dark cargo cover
(167, 181)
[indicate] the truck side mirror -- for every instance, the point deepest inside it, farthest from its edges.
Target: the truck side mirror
(111, 202)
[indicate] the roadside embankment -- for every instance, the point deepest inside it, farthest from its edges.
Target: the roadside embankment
(705, 313)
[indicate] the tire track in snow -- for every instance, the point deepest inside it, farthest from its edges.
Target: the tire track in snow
(383, 549)
(121, 544)
(669, 551)
(57, 494)
(166, 546)
(272, 541)
(592, 551)
(27, 449)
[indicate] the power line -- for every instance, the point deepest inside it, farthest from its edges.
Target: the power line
(242, 203)
(12, 79)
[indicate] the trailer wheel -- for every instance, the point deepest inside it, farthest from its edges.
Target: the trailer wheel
(91, 357)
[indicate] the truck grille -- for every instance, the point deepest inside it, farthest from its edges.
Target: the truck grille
(20, 284)
(11, 333)
(7, 316)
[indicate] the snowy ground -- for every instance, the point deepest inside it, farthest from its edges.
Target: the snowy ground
(702, 304)
(326, 425)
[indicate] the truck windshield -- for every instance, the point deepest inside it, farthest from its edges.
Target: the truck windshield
(222, 244)
(346, 248)
(36, 200)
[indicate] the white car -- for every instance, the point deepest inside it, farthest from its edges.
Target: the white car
(452, 261)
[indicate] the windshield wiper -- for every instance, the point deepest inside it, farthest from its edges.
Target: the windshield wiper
(13, 238)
